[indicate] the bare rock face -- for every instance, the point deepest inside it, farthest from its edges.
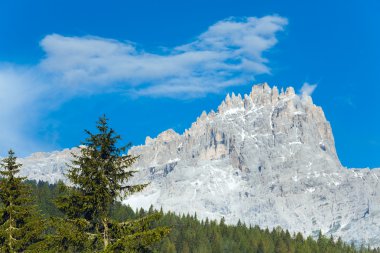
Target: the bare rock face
(267, 158)
(266, 130)
(48, 167)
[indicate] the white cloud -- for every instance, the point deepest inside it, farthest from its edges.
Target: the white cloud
(308, 89)
(21, 103)
(229, 53)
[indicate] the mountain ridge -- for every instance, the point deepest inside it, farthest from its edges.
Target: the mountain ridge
(267, 158)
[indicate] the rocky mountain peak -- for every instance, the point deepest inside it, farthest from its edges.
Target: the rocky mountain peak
(267, 158)
(264, 120)
(260, 95)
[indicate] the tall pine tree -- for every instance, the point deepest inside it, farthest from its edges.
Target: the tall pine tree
(100, 175)
(21, 226)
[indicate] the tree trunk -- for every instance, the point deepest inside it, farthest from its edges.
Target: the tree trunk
(10, 237)
(105, 233)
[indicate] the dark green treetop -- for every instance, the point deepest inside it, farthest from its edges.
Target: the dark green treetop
(100, 175)
(21, 226)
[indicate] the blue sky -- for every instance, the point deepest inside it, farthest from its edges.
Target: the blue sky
(154, 65)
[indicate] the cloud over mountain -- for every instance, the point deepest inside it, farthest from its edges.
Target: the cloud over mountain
(229, 53)
(308, 89)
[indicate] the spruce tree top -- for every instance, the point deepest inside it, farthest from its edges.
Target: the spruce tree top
(21, 226)
(100, 175)
(102, 169)
(12, 167)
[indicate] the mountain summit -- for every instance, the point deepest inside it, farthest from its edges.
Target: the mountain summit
(267, 158)
(266, 131)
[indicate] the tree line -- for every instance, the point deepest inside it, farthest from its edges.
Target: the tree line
(86, 215)
(191, 235)
(98, 176)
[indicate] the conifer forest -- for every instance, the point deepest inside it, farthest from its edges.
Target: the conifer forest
(86, 214)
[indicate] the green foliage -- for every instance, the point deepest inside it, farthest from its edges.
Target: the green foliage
(88, 216)
(21, 226)
(67, 235)
(100, 175)
(191, 235)
(44, 195)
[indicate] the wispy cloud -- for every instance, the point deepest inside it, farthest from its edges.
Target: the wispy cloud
(308, 89)
(20, 106)
(229, 53)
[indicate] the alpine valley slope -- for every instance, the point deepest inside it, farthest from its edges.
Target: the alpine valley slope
(267, 159)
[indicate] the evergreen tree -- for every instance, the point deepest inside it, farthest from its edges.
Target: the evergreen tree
(21, 226)
(99, 175)
(261, 248)
(191, 235)
(168, 246)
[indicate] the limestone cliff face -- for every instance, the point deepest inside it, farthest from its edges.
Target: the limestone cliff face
(49, 167)
(266, 158)
(258, 132)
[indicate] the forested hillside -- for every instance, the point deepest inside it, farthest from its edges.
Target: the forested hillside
(191, 235)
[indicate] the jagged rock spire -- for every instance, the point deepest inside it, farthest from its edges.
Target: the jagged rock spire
(265, 120)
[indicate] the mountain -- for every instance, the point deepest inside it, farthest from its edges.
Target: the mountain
(45, 166)
(267, 158)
